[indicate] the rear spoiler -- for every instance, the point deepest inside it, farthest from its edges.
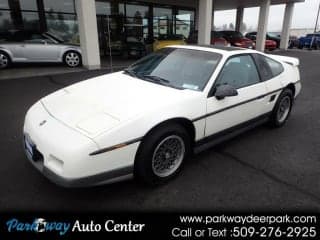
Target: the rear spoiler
(290, 60)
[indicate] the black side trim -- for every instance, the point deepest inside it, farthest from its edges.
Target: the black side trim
(272, 98)
(87, 181)
(120, 145)
(235, 105)
(229, 133)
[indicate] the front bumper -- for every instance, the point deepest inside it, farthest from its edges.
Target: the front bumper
(63, 153)
(98, 179)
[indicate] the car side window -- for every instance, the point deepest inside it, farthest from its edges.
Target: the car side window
(276, 67)
(239, 71)
(263, 67)
(37, 38)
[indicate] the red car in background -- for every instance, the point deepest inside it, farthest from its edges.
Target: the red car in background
(216, 39)
(270, 45)
(237, 39)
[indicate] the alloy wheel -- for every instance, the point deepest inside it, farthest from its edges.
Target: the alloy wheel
(168, 156)
(284, 109)
(4, 60)
(72, 59)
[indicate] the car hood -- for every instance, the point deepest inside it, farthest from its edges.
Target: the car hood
(102, 103)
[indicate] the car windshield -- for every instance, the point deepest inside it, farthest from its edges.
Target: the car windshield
(177, 68)
(313, 35)
(217, 34)
(274, 35)
(232, 34)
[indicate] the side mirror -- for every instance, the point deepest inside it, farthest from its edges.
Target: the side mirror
(225, 91)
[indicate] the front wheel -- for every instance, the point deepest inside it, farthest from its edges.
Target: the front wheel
(162, 154)
(282, 109)
(4, 60)
(72, 59)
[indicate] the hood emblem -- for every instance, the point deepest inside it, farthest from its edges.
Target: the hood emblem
(42, 123)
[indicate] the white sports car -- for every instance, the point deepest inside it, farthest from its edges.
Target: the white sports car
(146, 120)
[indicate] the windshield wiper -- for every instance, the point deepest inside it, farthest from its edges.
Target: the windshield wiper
(156, 79)
(160, 80)
(130, 72)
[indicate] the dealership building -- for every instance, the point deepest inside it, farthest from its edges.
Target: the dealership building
(100, 24)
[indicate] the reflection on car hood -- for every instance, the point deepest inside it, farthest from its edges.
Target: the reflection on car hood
(101, 103)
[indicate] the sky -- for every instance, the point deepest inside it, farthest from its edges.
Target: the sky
(304, 16)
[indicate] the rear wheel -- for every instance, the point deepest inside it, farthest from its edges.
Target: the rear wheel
(72, 59)
(162, 154)
(282, 109)
(4, 60)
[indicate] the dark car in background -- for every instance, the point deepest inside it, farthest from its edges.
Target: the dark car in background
(310, 41)
(236, 39)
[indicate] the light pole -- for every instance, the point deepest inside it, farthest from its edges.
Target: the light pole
(315, 27)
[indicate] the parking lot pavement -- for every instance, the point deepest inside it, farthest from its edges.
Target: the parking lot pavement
(264, 169)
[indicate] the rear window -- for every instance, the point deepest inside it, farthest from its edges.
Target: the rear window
(232, 34)
(276, 67)
(268, 67)
(217, 35)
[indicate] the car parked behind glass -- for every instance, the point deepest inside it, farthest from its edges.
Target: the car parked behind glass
(29, 47)
(165, 40)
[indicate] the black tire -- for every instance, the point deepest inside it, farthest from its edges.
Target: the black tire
(144, 164)
(275, 120)
(5, 60)
(76, 60)
(300, 46)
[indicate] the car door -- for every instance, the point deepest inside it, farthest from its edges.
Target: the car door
(239, 71)
(15, 44)
(38, 48)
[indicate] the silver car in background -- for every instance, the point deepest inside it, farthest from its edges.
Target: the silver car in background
(30, 47)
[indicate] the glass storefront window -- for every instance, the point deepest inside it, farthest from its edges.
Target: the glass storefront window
(133, 10)
(121, 9)
(65, 6)
(184, 22)
(185, 15)
(31, 21)
(103, 8)
(28, 5)
(162, 20)
(162, 12)
(4, 4)
(6, 22)
(65, 26)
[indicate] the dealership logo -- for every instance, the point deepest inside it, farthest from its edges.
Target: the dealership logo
(39, 225)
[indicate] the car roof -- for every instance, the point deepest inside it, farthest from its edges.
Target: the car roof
(217, 49)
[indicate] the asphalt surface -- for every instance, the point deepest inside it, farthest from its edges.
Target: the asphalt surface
(263, 170)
